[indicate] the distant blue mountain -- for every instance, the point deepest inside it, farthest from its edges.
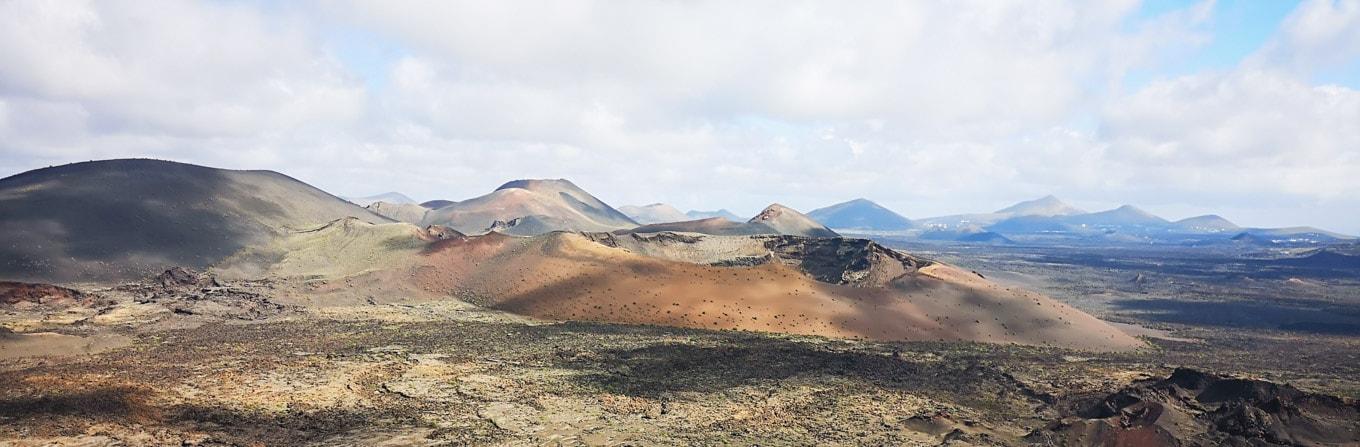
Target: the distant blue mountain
(860, 214)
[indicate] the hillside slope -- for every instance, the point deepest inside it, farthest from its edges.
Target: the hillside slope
(860, 214)
(817, 286)
(775, 219)
(654, 213)
(118, 220)
(560, 202)
(400, 212)
(785, 220)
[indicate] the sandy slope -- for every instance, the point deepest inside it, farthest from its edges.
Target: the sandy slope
(786, 220)
(571, 276)
(549, 200)
(117, 220)
(566, 276)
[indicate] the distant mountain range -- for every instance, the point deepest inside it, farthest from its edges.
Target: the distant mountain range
(774, 219)
(1044, 220)
(136, 216)
(1049, 219)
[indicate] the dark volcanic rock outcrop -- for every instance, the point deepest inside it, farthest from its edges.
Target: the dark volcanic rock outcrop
(22, 293)
(859, 262)
(1194, 408)
(837, 260)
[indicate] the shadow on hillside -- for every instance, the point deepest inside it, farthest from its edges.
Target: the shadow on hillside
(657, 370)
(1305, 316)
(90, 217)
(55, 411)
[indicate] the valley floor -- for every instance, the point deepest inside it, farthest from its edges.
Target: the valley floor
(448, 373)
(193, 363)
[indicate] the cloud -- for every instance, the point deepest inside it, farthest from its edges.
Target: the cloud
(1317, 35)
(108, 73)
(916, 66)
(928, 107)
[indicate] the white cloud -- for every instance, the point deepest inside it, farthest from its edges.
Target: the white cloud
(168, 69)
(928, 107)
(1318, 34)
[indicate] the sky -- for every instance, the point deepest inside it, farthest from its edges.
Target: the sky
(1247, 109)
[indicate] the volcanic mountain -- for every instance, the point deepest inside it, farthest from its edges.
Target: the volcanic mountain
(860, 214)
(555, 204)
(389, 197)
(1210, 223)
(786, 220)
(1125, 219)
(654, 213)
(818, 286)
(118, 220)
(775, 219)
(723, 213)
(1124, 216)
(1047, 206)
(1043, 206)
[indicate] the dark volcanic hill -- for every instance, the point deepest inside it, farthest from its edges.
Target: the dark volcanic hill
(860, 214)
(118, 220)
(559, 204)
(1195, 408)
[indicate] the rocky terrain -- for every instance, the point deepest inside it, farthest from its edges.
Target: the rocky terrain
(1196, 408)
(192, 359)
(293, 327)
(792, 284)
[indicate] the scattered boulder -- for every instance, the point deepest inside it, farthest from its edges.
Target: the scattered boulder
(22, 293)
(440, 232)
(180, 277)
